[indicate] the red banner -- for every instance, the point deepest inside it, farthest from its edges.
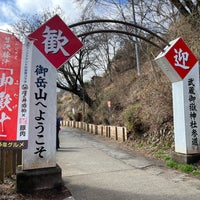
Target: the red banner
(10, 65)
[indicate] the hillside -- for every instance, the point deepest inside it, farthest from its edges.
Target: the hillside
(141, 103)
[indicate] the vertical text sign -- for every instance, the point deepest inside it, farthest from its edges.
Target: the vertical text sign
(10, 65)
(184, 62)
(24, 92)
(56, 41)
(181, 66)
(53, 45)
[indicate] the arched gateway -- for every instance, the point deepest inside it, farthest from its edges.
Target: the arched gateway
(40, 59)
(126, 24)
(181, 66)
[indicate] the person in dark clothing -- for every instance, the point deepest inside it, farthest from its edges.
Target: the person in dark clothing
(57, 132)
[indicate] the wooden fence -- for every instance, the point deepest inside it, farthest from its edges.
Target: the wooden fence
(113, 132)
(9, 160)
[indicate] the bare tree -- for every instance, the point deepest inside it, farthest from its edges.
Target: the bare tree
(27, 24)
(70, 75)
(187, 7)
(153, 14)
(156, 15)
(98, 49)
(107, 45)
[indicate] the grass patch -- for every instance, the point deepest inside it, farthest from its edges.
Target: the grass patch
(196, 173)
(162, 155)
(187, 168)
(140, 145)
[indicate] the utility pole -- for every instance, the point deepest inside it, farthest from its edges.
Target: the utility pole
(83, 106)
(137, 50)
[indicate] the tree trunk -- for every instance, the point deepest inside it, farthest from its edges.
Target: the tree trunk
(82, 94)
(180, 7)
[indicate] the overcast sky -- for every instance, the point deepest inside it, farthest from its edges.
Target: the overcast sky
(11, 10)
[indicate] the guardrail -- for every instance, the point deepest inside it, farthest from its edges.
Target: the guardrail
(9, 160)
(113, 132)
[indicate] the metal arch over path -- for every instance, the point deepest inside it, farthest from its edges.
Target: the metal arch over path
(120, 31)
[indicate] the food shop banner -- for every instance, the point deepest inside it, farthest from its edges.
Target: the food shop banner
(10, 69)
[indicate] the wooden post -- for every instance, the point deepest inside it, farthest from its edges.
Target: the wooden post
(8, 159)
(2, 165)
(124, 134)
(116, 133)
(106, 131)
(19, 157)
(14, 161)
(96, 130)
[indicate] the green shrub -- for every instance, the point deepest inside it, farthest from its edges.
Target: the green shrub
(186, 168)
(196, 173)
(132, 120)
(172, 164)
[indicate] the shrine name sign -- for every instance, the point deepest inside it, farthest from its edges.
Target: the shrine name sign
(182, 68)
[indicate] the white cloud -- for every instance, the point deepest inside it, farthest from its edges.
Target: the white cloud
(7, 10)
(11, 10)
(71, 9)
(28, 6)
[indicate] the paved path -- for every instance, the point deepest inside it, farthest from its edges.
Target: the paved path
(98, 169)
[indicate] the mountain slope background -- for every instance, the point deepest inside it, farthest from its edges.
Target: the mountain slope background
(142, 103)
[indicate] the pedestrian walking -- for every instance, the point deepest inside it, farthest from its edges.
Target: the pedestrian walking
(57, 133)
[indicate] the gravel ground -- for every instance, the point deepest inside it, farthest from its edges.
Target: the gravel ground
(8, 192)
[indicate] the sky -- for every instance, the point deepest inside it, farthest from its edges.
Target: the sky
(11, 10)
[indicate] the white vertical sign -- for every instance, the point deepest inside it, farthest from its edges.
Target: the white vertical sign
(186, 109)
(24, 97)
(182, 68)
(54, 43)
(42, 118)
